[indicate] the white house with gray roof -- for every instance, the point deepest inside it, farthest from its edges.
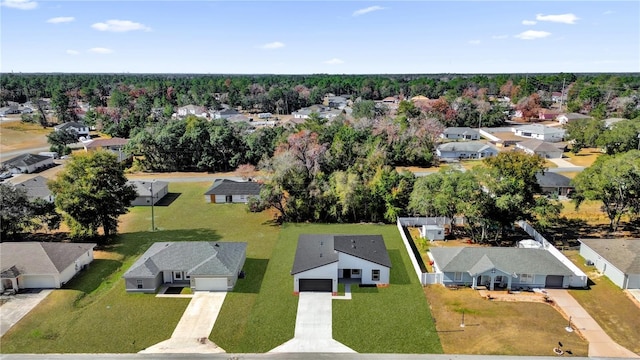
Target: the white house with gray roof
(201, 265)
(148, 191)
(231, 191)
(540, 132)
(41, 265)
(617, 259)
(465, 150)
(36, 188)
(539, 147)
(460, 133)
(504, 267)
(322, 260)
(28, 163)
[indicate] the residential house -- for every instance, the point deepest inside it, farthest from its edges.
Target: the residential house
(554, 184)
(36, 188)
(322, 111)
(460, 133)
(547, 114)
(28, 163)
(149, 192)
(617, 259)
(557, 97)
(200, 265)
(9, 110)
(538, 147)
(465, 150)
(225, 113)
(38, 265)
(610, 122)
(322, 260)
(198, 111)
(114, 145)
(540, 132)
(503, 267)
(231, 191)
(73, 126)
(568, 117)
(266, 115)
(335, 102)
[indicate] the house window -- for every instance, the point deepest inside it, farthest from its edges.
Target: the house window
(375, 275)
(526, 278)
(177, 275)
(139, 283)
(457, 276)
(355, 271)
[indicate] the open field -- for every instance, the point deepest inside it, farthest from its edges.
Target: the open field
(495, 327)
(609, 306)
(15, 135)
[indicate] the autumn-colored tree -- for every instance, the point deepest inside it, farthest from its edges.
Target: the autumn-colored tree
(530, 106)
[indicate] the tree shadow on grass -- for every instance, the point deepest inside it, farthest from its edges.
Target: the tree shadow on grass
(254, 270)
(398, 268)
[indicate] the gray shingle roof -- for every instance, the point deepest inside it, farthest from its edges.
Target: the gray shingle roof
(40, 258)
(550, 179)
(537, 145)
(474, 260)
(468, 146)
(143, 188)
(35, 187)
(315, 250)
(621, 253)
(539, 129)
(71, 125)
(231, 187)
(461, 131)
(194, 257)
(26, 160)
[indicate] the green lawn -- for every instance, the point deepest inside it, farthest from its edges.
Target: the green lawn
(95, 314)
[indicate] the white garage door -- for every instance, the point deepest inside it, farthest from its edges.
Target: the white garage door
(211, 284)
(38, 282)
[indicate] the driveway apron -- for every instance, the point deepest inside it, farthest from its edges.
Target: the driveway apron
(313, 331)
(600, 344)
(191, 335)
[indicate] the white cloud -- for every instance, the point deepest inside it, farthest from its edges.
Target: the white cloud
(272, 45)
(367, 10)
(498, 37)
(533, 34)
(474, 42)
(73, 52)
(529, 22)
(61, 19)
(20, 4)
(120, 26)
(100, 50)
(562, 18)
(334, 61)
(608, 12)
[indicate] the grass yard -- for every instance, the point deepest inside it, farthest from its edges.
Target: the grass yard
(498, 328)
(609, 306)
(15, 135)
(95, 314)
(585, 157)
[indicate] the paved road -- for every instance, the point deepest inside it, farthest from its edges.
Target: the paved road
(600, 344)
(279, 356)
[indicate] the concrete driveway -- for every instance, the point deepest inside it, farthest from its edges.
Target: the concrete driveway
(313, 327)
(18, 306)
(191, 335)
(600, 344)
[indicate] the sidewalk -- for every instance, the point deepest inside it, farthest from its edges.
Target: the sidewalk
(600, 344)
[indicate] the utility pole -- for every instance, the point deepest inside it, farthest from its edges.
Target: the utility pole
(562, 95)
(153, 225)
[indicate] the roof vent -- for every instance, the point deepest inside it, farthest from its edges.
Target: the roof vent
(320, 254)
(217, 245)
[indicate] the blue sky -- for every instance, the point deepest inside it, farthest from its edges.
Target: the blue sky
(304, 37)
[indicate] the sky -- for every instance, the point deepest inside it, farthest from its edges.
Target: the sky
(313, 37)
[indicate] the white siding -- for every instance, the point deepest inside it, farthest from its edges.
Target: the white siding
(329, 271)
(603, 266)
(351, 262)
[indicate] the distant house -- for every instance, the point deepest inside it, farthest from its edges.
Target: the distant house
(28, 163)
(46, 265)
(73, 126)
(557, 97)
(540, 132)
(114, 145)
(200, 265)
(198, 111)
(225, 113)
(566, 118)
(617, 259)
(610, 122)
(266, 115)
(231, 191)
(465, 150)
(538, 147)
(36, 188)
(554, 184)
(321, 260)
(547, 114)
(460, 133)
(504, 267)
(9, 110)
(145, 194)
(335, 102)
